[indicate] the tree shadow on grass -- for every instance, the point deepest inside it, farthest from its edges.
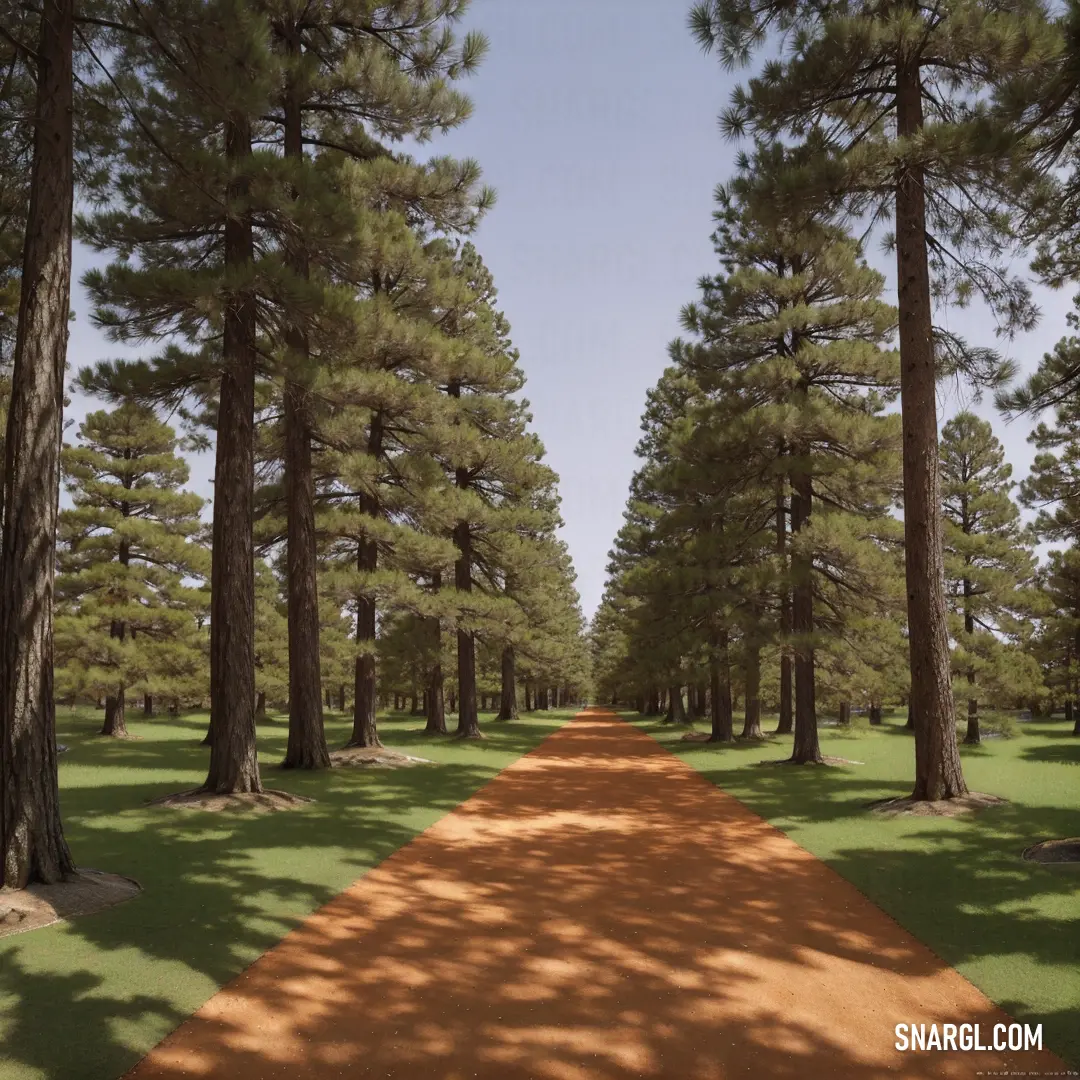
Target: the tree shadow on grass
(87, 998)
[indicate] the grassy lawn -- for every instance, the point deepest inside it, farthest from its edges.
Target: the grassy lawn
(87, 998)
(958, 884)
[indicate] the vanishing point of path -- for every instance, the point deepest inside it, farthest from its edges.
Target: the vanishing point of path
(599, 911)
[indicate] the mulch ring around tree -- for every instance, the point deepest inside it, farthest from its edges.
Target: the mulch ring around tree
(963, 804)
(1054, 851)
(263, 802)
(42, 905)
(378, 757)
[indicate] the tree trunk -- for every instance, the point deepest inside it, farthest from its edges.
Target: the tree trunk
(34, 848)
(528, 696)
(260, 705)
(508, 706)
(234, 764)
(845, 714)
(468, 726)
(341, 697)
(677, 713)
(938, 772)
(307, 741)
(806, 749)
(720, 687)
(365, 729)
(414, 704)
(306, 747)
(875, 715)
(115, 715)
(910, 724)
(786, 722)
(436, 704)
(752, 714)
(148, 705)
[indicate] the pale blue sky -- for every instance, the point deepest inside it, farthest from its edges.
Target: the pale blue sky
(595, 120)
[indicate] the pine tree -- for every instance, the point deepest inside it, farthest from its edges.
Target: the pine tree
(790, 354)
(893, 104)
(34, 848)
(127, 552)
(989, 564)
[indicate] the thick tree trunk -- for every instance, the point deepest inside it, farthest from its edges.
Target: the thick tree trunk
(785, 726)
(34, 848)
(875, 715)
(720, 690)
(752, 711)
(678, 712)
(234, 765)
(468, 726)
(148, 705)
(306, 747)
(806, 749)
(508, 705)
(938, 772)
(307, 741)
(845, 714)
(115, 715)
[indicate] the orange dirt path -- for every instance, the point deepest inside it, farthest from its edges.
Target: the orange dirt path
(599, 911)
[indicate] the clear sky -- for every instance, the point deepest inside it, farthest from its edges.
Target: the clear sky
(595, 120)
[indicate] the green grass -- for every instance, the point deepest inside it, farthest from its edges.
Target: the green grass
(958, 884)
(85, 999)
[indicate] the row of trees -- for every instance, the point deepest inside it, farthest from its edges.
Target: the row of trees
(309, 304)
(760, 528)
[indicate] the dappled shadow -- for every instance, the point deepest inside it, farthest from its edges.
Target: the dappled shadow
(598, 912)
(85, 999)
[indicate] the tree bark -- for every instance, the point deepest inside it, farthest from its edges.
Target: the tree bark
(260, 705)
(148, 705)
(938, 772)
(468, 726)
(677, 713)
(115, 715)
(436, 705)
(785, 726)
(508, 705)
(720, 689)
(365, 729)
(875, 715)
(34, 848)
(845, 714)
(654, 702)
(234, 765)
(752, 710)
(806, 749)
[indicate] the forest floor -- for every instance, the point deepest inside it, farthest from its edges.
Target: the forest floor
(85, 999)
(599, 911)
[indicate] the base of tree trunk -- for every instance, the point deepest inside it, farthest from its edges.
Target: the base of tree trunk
(959, 804)
(264, 801)
(476, 734)
(81, 893)
(367, 742)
